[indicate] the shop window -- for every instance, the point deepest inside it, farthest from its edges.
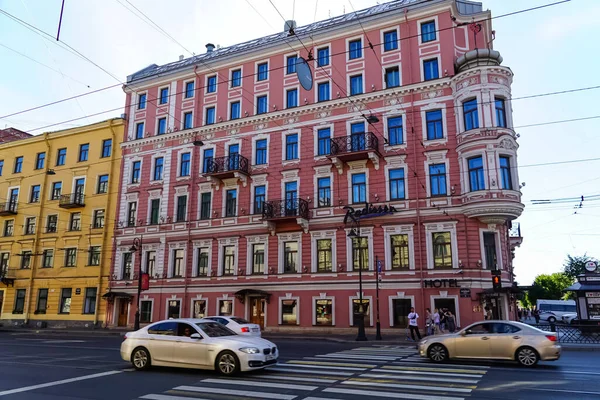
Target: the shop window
(289, 312)
(199, 309)
(324, 312)
(226, 307)
(174, 309)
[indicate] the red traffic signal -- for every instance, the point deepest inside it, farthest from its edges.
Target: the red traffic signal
(496, 282)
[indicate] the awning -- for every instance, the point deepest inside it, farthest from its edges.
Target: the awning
(582, 287)
(241, 294)
(112, 295)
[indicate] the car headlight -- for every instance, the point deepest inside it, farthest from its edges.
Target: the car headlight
(250, 350)
(423, 341)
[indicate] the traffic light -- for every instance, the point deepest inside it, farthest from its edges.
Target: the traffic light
(496, 282)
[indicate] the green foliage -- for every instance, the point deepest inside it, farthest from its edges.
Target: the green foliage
(575, 265)
(549, 287)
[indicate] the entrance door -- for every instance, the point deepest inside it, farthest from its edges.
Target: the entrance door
(496, 307)
(401, 311)
(257, 311)
(234, 160)
(123, 308)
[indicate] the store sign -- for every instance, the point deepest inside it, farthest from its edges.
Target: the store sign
(591, 266)
(368, 211)
(465, 292)
(441, 283)
(592, 294)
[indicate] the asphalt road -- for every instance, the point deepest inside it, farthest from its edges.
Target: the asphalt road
(48, 367)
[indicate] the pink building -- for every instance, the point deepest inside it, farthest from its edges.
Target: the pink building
(235, 177)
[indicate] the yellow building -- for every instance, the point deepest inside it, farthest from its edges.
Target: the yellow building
(58, 196)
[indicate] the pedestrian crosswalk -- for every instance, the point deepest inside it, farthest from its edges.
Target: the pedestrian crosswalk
(386, 372)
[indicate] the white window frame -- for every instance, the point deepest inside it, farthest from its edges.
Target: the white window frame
(153, 165)
(226, 298)
(392, 163)
(212, 147)
(463, 161)
(316, 100)
(498, 243)
(316, 129)
(256, 96)
(224, 201)
(384, 83)
(258, 180)
(365, 232)
(151, 300)
(391, 230)
(197, 245)
(221, 245)
(362, 54)
(323, 296)
(250, 241)
(280, 316)
(183, 98)
(322, 235)
(437, 157)
(368, 322)
(204, 188)
(158, 118)
(206, 107)
(284, 135)
(358, 167)
(282, 238)
(434, 227)
(437, 27)
(434, 107)
(171, 267)
(180, 152)
(158, 97)
(256, 81)
(285, 90)
(186, 111)
(230, 76)
(284, 63)
(349, 76)
(229, 102)
(255, 139)
(206, 77)
(398, 296)
(422, 66)
(324, 171)
(199, 297)
(458, 105)
(382, 33)
(167, 306)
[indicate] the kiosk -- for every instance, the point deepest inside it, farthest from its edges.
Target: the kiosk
(587, 291)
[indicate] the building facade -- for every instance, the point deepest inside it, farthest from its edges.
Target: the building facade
(237, 179)
(59, 193)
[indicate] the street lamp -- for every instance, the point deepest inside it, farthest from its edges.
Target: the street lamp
(361, 336)
(137, 246)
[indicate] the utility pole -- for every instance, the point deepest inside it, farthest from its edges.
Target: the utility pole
(377, 276)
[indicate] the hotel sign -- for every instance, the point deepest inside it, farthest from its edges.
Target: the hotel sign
(369, 211)
(441, 283)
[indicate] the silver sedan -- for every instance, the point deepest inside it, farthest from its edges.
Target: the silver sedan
(196, 343)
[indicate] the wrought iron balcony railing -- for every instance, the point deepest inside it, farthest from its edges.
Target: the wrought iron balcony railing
(223, 165)
(8, 208)
(71, 200)
(354, 143)
(280, 209)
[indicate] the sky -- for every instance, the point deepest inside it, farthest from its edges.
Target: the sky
(549, 50)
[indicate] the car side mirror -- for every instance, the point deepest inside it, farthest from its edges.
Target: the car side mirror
(195, 336)
(464, 333)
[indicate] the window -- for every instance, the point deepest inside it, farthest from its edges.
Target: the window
(323, 91)
(359, 188)
(51, 223)
(89, 303)
(259, 199)
(136, 171)
(437, 179)
(205, 200)
(139, 130)
(500, 112)
(358, 308)
(141, 101)
(65, 301)
(131, 213)
(323, 312)
(209, 116)
(164, 95)
(150, 263)
(154, 211)
(211, 84)
(323, 57)
(102, 184)
(4, 262)
(355, 49)
(230, 203)
(435, 128)
(40, 160)
(476, 178)
(225, 307)
(470, 114)
(56, 190)
(291, 64)
(42, 301)
(430, 69)
(262, 105)
(208, 161)
(324, 188)
(184, 167)
(258, 258)
(162, 126)
(94, 256)
(357, 136)
(61, 157)
(98, 219)
(199, 308)
(158, 168)
(188, 120)
(356, 85)
(1, 166)
(234, 110)
(396, 184)
(35, 194)
(146, 311)
(291, 146)
(189, 89)
(323, 141)
(181, 208)
(390, 40)
(75, 222)
(399, 248)
(70, 257)
(290, 257)
(262, 72)
(442, 250)
(106, 148)
(261, 152)
(9, 227)
(83, 152)
(505, 175)
(289, 312)
(291, 196)
(127, 266)
(489, 246)
(360, 253)
(392, 77)
(202, 269)
(19, 301)
(324, 255)
(291, 98)
(178, 264)
(47, 258)
(26, 259)
(395, 131)
(30, 226)
(236, 78)
(18, 165)
(228, 260)
(428, 31)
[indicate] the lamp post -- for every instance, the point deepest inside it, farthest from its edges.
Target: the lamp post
(378, 324)
(137, 246)
(361, 336)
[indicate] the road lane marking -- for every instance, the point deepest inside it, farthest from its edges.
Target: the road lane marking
(421, 378)
(333, 364)
(387, 371)
(71, 358)
(299, 379)
(464, 371)
(357, 357)
(299, 371)
(565, 391)
(56, 383)
(167, 397)
(54, 366)
(444, 365)
(242, 382)
(390, 395)
(318, 366)
(413, 387)
(262, 395)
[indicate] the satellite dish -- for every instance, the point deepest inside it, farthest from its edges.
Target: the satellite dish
(304, 73)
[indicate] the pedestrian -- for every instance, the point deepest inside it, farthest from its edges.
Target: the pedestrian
(428, 322)
(451, 322)
(520, 314)
(436, 321)
(413, 323)
(529, 313)
(488, 314)
(536, 315)
(442, 320)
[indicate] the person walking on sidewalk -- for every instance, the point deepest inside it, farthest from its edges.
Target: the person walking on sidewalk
(428, 322)
(450, 321)
(436, 321)
(413, 323)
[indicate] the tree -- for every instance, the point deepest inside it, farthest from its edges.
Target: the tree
(575, 265)
(549, 287)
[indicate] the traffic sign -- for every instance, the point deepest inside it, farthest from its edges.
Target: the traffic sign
(379, 265)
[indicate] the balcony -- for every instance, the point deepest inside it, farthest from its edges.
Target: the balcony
(493, 206)
(275, 211)
(73, 200)
(355, 147)
(7, 275)
(231, 166)
(8, 208)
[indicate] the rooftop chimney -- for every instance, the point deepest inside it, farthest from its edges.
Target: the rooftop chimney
(210, 47)
(181, 57)
(289, 26)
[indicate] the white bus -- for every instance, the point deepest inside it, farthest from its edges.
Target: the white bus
(553, 310)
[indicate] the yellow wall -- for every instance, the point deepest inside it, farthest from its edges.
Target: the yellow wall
(59, 276)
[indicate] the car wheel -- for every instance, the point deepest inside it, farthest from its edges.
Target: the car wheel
(227, 363)
(527, 357)
(437, 353)
(552, 320)
(140, 358)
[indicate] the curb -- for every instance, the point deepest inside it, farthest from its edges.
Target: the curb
(337, 340)
(63, 332)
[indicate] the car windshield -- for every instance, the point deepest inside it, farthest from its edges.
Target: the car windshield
(239, 320)
(214, 329)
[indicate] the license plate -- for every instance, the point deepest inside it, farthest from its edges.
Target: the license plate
(270, 357)
(254, 329)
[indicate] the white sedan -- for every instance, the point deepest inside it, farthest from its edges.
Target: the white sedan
(196, 343)
(238, 325)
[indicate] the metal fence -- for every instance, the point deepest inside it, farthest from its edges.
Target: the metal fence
(587, 334)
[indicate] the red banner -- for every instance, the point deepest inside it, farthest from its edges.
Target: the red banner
(145, 281)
